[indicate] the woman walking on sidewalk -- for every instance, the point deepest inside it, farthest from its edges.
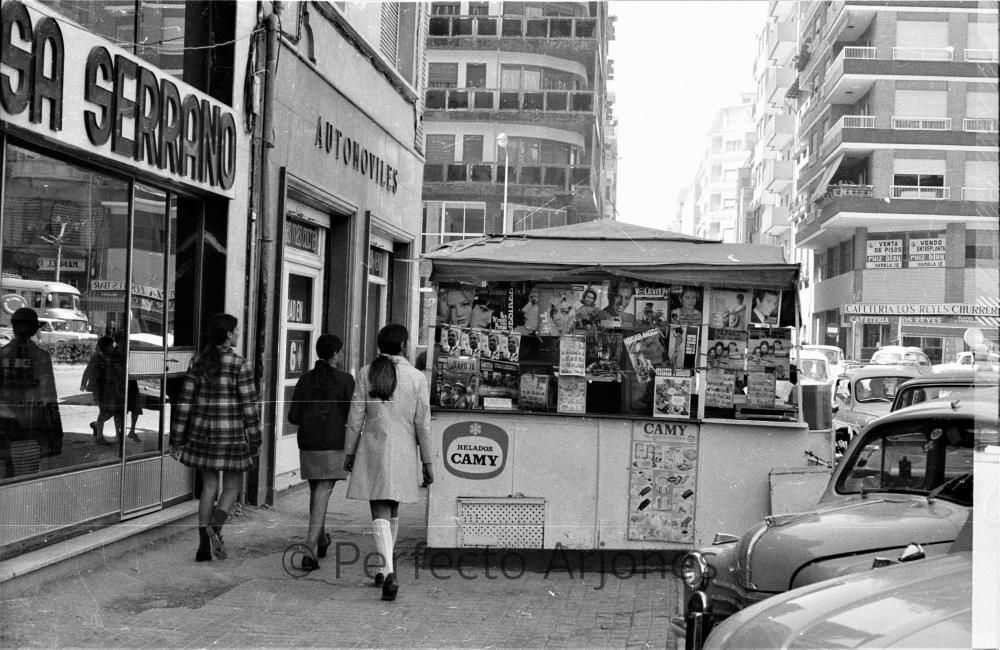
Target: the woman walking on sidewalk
(216, 428)
(320, 405)
(390, 417)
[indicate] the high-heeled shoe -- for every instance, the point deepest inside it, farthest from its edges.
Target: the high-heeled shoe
(203, 555)
(390, 587)
(218, 546)
(322, 545)
(309, 563)
(379, 579)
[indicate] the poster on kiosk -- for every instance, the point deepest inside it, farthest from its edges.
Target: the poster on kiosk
(581, 398)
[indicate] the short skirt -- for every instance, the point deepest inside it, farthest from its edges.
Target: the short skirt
(322, 464)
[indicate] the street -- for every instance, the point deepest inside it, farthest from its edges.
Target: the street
(157, 596)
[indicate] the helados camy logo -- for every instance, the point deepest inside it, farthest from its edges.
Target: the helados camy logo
(474, 450)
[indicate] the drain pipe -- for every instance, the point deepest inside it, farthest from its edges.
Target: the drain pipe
(266, 229)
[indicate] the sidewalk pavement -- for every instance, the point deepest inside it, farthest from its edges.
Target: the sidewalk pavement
(153, 594)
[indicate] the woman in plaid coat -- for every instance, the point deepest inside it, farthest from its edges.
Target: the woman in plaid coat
(216, 428)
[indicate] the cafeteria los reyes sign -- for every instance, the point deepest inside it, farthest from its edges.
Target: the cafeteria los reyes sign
(121, 108)
(905, 309)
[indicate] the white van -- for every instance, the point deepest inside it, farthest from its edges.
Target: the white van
(49, 300)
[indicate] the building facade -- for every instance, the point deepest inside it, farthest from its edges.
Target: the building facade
(125, 185)
(896, 192)
(519, 123)
(340, 194)
(729, 143)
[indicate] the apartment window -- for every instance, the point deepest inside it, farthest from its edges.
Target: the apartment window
(446, 221)
(446, 8)
(529, 217)
(846, 255)
(733, 145)
(716, 174)
(472, 148)
(513, 8)
(388, 40)
(922, 34)
(440, 148)
(534, 151)
(475, 75)
(921, 103)
(442, 75)
(981, 249)
(479, 9)
(980, 181)
(832, 262)
(520, 78)
(982, 36)
(981, 104)
(730, 175)
(916, 178)
(728, 204)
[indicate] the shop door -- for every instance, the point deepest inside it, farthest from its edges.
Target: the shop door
(302, 287)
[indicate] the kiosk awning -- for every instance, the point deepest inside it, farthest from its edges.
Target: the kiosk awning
(595, 249)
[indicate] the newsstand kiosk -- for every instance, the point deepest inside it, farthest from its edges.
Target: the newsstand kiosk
(608, 386)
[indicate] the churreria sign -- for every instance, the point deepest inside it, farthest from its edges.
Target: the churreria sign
(143, 120)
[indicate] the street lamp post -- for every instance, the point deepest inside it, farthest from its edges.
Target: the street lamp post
(502, 142)
(57, 241)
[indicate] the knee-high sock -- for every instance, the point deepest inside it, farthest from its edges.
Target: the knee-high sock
(383, 542)
(394, 524)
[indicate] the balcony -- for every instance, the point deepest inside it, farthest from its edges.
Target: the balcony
(991, 194)
(780, 131)
(517, 27)
(979, 125)
(923, 193)
(482, 99)
(981, 55)
(848, 122)
(774, 219)
(922, 123)
(777, 174)
(777, 81)
(782, 42)
(560, 177)
(850, 190)
(923, 54)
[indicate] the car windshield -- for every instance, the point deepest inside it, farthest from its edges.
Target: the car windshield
(64, 300)
(813, 369)
(76, 325)
(916, 394)
(918, 457)
(877, 389)
(887, 356)
(59, 326)
(832, 356)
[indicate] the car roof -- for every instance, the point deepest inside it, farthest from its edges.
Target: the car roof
(46, 319)
(811, 346)
(882, 370)
(953, 376)
(982, 406)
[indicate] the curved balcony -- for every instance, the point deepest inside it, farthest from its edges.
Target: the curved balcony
(572, 36)
(466, 100)
(559, 177)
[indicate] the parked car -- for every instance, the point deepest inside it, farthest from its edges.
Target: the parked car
(834, 357)
(967, 359)
(906, 478)
(902, 355)
(953, 384)
(6, 335)
(864, 394)
(55, 330)
(915, 603)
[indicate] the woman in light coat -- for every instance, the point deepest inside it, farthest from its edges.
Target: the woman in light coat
(390, 418)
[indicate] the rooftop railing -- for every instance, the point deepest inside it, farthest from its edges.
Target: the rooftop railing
(923, 53)
(981, 55)
(470, 99)
(564, 177)
(856, 52)
(980, 194)
(916, 192)
(922, 123)
(850, 190)
(980, 124)
(513, 27)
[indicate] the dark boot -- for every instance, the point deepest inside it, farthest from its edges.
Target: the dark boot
(219, 517)
(204, 545)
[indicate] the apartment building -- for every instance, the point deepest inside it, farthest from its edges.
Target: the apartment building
(729, 142)
(896, 162)
(518, 120)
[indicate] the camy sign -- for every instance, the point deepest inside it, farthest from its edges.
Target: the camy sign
(474, 450)
(127, 111)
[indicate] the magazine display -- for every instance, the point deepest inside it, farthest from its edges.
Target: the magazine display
(729, 308)
(770, 347)
(682, 346)
(766, 307)
(672, 394)
(604, 349)
(457, 382)
(572, 394)
(686, 304)
(652, 307)
(727, 348)
(534, 392)
(498, 384)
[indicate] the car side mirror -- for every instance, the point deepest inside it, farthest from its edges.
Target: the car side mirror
(836, 407)
(912, 552)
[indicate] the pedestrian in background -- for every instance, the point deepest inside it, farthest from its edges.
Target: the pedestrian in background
(390, 417)
(104, 377)
(320, 405)
(216, 428)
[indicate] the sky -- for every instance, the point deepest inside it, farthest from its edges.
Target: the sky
(676, 63)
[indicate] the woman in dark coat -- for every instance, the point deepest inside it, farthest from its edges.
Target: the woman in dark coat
(320, 405)
(216, 427)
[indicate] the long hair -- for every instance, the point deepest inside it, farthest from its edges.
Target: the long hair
(219, 328)
(382, 371)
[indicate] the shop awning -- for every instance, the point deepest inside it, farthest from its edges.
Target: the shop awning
(595, 249)
(828, 173)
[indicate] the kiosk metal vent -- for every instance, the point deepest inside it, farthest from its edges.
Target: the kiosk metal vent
(508, 523)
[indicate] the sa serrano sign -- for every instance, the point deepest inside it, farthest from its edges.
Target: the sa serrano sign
(62, 81)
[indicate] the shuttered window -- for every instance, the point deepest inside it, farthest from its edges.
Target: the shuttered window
(918, 166)
(981, 104)
(921, 103)
(440, 148)
(982, 36)
(389, 34)
(921, 33)
(442, 75)
(981, 174)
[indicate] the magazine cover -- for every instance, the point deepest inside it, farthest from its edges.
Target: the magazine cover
(646, 351)
(727, 348)
(652, 307)
(672, 394)
(572, 394)
(534, 392)
(770, 347)
(449, 341)
(686, 304)
(466, 306)
(604, 352)
(513, 346)
(496, 345)
(728, 308)
(682, 346)
(472, 342)
(558, 303)
(498, 384)
(760, 386)
(765, 308)
(527, 309)
(592, 298)
(720, 384)
(573, 355)
(456, 382)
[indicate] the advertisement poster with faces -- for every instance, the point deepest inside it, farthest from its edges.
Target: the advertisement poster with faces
(729, 308)
(662, 477)
(770, 348)
(557, 309)
(589, 308)
(466, 306)
(652, 307)
(727, 348)
(686, 304)
(766, 307)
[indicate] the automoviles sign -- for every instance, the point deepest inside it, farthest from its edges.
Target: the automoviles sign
(475, 450)
(96, 96)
